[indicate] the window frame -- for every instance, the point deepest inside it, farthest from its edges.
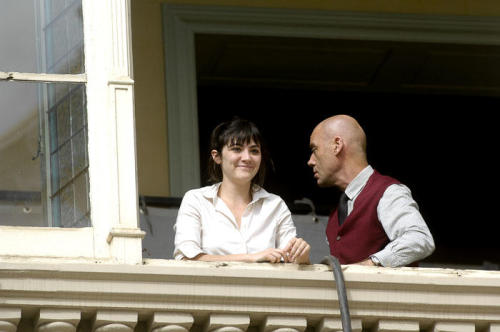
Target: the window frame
(114, 233)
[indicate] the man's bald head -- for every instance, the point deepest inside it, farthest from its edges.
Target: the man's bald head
(338, 151)
(349, 130)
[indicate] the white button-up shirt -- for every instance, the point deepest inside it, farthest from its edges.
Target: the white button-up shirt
(206, 225)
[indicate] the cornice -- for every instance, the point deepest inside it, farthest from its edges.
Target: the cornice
(417, 294)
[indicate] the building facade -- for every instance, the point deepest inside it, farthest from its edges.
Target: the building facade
(103, 110)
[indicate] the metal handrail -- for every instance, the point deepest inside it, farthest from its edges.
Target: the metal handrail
(338, 276)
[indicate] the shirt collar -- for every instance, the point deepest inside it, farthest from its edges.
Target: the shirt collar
(210, 192)
(258, 194)
(358, 183)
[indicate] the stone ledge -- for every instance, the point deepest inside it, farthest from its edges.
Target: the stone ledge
(258, 290)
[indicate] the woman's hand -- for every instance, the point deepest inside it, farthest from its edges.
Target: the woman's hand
(298, 251)
(270, 255)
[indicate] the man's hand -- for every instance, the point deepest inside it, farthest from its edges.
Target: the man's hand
(298, 251)
(366, 262)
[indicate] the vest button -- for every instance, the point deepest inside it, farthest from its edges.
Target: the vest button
(338, 237)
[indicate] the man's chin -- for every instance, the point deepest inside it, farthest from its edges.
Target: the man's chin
(322, 183)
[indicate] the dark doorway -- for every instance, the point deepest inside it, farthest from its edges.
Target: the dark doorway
(441, 145)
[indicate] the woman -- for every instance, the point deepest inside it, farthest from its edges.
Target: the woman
(235, 219)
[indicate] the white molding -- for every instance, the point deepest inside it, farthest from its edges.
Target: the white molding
(111, 122)
(47, 241)
(479, 30)
(60, 320)
(116, 291)
(125, 232)
(166, 321)
(182, 22)
(47, 78)
(335, 324)
(387, 325)
(182, 118)
(454, 327)
(102, 152)
(227, 322)
(284, 323)
(9, 319)
(121, 39)
(111, 147)
(114, 320)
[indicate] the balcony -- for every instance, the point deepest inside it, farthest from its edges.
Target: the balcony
(165, 295)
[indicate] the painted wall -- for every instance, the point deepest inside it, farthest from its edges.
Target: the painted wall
(18, 170)
(149, 90)
(150, 99)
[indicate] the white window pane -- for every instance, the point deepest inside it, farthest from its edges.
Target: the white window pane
(43, 149)
(42, 36)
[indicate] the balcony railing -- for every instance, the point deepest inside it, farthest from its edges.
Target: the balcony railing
(166, 295)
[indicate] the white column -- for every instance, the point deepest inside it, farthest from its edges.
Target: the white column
(495, 327)
(397, 326)
(335, 325)
(9, 318)
(112, 150)
(115, 321)
(57, 320)
(454, 327)
(284, 324)
(227, 323)
(171, 322)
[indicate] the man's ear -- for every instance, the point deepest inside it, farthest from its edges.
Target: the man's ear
(338, 144)
(216, 156)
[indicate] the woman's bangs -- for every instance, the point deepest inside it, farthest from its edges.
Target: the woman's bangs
(243, 137)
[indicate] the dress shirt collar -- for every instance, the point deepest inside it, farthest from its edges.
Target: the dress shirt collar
(359, 182)
(210, 192)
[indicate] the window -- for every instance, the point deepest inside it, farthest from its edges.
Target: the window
(43, 122)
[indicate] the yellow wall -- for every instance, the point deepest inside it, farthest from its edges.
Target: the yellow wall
(150, 109)
(18, 170)
(149, 64)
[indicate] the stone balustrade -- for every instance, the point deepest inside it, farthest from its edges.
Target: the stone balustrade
(163, 295)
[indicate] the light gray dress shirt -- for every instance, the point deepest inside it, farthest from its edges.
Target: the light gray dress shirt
(409, 236)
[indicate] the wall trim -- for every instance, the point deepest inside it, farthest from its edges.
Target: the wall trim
(182, 22)
(260, 290)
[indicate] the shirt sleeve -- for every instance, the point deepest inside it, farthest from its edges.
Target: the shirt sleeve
(188, 228)
(410, 238)
(286, 228)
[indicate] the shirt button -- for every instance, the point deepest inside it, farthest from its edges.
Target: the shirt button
(338, 237)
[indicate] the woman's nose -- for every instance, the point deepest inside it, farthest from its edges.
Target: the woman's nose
(245, 154)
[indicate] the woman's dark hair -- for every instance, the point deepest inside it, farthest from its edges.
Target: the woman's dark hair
(236, 131)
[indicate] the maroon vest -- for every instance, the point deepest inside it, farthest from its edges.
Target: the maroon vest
(361, 234)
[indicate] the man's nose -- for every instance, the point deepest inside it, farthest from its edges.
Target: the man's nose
(311, 162)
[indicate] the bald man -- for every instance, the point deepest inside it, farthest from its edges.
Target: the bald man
(381, 224)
